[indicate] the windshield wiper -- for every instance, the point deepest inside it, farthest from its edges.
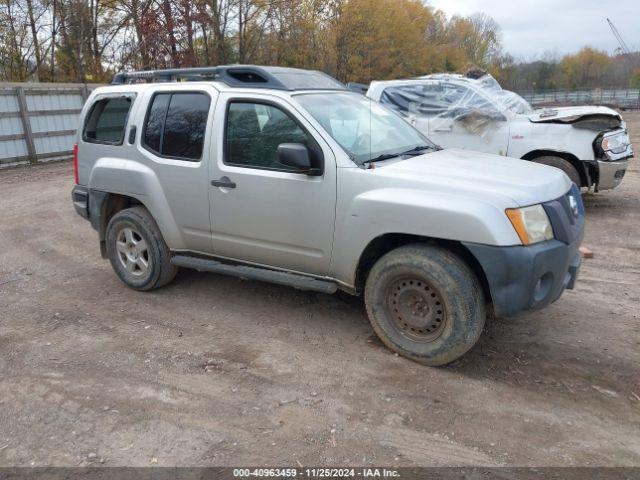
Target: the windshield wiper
(418, 149)
(413, 151)
(384, 156)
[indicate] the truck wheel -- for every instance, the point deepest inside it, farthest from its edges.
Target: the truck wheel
(425, 303)
(563, 165)
(137, 251)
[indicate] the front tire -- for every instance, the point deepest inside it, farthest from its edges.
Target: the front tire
(137, 252)
(425, 304)
(563, 165)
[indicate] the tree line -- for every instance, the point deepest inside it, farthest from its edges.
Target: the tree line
(588, 68)
(353, 40)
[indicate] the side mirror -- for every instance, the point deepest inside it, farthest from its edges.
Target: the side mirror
(296, 155)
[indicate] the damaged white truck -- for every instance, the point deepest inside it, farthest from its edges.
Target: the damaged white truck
(590, 144)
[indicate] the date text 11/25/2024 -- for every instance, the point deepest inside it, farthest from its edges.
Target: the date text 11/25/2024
(316, 472)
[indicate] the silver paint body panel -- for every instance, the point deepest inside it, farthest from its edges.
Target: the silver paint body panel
(314, 225)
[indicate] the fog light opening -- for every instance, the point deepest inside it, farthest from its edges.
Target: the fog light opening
(543, 287)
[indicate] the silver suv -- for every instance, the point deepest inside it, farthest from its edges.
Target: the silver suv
(284, 175)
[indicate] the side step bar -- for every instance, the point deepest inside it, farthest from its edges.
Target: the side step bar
(301, 282)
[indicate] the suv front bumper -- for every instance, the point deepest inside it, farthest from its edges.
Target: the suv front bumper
(531, 277)
(527, 278)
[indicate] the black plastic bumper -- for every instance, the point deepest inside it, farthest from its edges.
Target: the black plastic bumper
(80, 198)
(531, 277)
(90, 205)
(527, 278)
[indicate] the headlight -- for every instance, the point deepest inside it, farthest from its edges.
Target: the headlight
(531, 223)
(615, 143)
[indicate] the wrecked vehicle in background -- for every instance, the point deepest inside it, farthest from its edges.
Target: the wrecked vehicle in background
(590, 144)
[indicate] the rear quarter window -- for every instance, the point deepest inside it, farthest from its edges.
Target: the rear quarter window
(176, 124)
(107, 120)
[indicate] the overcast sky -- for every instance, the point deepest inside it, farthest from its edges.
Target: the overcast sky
(532, 27)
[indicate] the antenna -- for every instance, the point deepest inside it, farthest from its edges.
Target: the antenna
(616, 33)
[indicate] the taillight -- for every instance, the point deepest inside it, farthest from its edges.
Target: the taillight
(75, 163)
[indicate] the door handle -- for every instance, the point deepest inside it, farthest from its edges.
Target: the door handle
(224, 182)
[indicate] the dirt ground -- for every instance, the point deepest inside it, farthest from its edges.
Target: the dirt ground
(217, 371)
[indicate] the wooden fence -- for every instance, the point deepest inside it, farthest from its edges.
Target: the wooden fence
(38, 121)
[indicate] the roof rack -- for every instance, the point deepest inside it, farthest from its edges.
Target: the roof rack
(279, 78)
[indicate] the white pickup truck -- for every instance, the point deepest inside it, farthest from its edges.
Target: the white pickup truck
(589, 143)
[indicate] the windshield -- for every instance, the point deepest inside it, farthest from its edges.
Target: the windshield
(513, 102)
(506, 100)
(366, 130)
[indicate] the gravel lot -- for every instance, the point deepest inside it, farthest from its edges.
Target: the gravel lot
(217, 371)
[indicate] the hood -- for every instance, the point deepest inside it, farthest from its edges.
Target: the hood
(501, 181)
(572, 114)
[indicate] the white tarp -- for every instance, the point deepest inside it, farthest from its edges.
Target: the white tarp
(474, 103)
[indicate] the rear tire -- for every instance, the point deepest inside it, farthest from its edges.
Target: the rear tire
(138, 253)
(563, 165)
(425, 304)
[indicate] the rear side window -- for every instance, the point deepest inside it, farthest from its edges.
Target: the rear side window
(155, 121)
(435, 99)
(176, 124)
(423, 98)
(107, 120)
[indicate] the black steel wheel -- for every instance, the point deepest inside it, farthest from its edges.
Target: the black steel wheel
(416, 308)
(425, 303)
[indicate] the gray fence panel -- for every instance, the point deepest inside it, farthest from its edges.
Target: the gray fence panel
(38, 121)
(623, 98)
